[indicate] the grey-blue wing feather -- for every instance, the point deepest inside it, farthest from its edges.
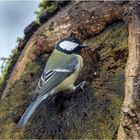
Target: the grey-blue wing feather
(52, 78)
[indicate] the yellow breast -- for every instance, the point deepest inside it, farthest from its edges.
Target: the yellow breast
(68, 83)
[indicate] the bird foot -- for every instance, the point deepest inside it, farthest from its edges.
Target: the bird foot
(83, 85)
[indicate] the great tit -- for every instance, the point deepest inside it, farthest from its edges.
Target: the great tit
(60, 74)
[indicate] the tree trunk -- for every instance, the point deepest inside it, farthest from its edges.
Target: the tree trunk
(81, 19)
(84, 20)
(130, 114)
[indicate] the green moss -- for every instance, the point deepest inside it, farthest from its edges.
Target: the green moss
(17, 101)
(111, 37)
(10, 63)
(51, 6)
(99, 106)
(111, 46)
(98, 116)
(104, 123)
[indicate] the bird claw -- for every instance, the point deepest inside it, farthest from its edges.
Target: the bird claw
(84, 85)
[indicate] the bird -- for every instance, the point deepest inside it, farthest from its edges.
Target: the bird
(60, 73)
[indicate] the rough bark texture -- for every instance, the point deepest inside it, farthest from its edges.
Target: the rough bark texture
(93, 113)
(130, 114)
(85, 20)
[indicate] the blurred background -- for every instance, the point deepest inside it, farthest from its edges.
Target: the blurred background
(15, 15)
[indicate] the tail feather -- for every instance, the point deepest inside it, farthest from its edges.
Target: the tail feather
(27, 114)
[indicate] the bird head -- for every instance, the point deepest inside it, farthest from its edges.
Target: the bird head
(70, 45)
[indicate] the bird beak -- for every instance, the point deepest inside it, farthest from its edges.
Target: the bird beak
(84, 45)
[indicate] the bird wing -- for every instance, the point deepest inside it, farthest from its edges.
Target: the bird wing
(52, 77)
(49, 79)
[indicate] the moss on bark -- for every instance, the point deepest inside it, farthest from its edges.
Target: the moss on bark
(93, 113)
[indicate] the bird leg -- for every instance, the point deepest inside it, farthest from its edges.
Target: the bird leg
(82, 85)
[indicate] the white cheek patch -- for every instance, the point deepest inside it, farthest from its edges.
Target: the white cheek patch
(68, 45)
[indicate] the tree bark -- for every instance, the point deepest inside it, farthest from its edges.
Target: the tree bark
(86, 19)
(130, 114)
(81, 19)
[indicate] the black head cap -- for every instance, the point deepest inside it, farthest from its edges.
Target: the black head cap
(70, 45)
